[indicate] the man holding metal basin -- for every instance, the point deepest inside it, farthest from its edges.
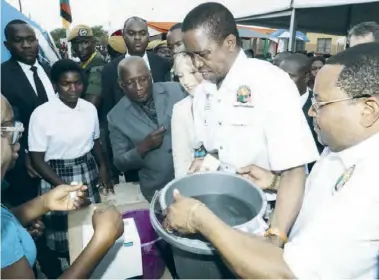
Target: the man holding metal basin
(337, 231)
(251, 115)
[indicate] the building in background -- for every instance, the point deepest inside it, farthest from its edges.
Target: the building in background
(320, 43)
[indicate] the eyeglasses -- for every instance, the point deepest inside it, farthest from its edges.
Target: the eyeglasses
(317, 105)
(17, 130)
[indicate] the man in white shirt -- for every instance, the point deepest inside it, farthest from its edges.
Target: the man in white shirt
(336, 233)
(26, 85)
(251, 115)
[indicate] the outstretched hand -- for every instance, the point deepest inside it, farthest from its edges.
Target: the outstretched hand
(59, 198)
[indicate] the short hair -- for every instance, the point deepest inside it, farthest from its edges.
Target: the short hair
(134, 18)
(364, 29)
(317, 58)
(8, 27)
(360, 72)
(301, 60)
(280, 57)
(62, 66)
(218, 22)
(175, 26)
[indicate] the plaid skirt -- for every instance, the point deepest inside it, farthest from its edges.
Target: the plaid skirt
(82, 170)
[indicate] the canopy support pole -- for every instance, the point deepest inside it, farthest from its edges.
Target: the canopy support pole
(292, 41)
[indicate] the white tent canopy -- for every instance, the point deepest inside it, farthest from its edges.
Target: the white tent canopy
(176, 10)
(326, 16)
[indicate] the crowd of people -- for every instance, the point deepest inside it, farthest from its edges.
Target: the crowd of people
(304, 129)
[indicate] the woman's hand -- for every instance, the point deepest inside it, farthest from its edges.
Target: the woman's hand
(261, 177)
(58, 199)
(105, 181)
(184, 215)
(107, 224)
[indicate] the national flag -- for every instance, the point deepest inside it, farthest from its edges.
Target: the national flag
(66, 13)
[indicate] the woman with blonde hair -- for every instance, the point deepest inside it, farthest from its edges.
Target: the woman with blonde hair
(182, 125)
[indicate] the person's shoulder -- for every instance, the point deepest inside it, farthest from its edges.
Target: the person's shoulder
(86, 105)
(44, 109)
(183, 104)
(113, 63)
(173, 89)
(6, 66)
(118, 108)
(158, 59)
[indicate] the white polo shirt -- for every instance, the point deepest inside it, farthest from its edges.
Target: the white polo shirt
(267, 128)
(62, 132)
(336, 235)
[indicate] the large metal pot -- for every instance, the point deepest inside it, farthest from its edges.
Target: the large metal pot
(234, 199)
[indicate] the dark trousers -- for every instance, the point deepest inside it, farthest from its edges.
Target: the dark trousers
(49, 260)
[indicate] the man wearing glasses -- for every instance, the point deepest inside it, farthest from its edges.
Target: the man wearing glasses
(251, 115)
(336, 233)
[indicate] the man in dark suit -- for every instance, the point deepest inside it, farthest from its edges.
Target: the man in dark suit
(26, 85)
(298, 66)
(136, 37)
(140, 124)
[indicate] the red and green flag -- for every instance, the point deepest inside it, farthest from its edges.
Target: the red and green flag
(65, 13)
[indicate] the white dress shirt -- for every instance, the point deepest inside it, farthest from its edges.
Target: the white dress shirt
(145, 58)
(269, 130)
(336, 235)
(182, 136)
(50, 92)
(62, 132)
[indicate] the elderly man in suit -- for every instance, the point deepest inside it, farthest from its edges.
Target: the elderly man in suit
(26, 85)
(139, 125)
(136, 37)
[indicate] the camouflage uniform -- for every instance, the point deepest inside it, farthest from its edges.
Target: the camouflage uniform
(92, 79)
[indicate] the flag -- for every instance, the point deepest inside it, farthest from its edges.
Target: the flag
(65, 13)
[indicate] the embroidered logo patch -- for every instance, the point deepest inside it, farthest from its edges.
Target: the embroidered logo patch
(345, 177)
(83, 32)
(244, 97)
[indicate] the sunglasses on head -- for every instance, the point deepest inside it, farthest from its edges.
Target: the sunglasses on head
(17, 129)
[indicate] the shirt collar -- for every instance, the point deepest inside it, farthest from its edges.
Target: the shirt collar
(26, 67)
(304, 97)
(61, 106)
(144, 56)
(356, 153)
(233, 76)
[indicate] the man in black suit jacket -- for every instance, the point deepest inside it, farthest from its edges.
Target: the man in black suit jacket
(26, 85)
(298, 67)
(136, 37)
